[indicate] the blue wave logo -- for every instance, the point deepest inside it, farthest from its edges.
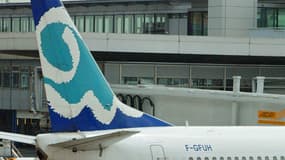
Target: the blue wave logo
(80, 97)
(60, 55)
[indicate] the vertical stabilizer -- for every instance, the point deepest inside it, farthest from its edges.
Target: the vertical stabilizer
(79, 96)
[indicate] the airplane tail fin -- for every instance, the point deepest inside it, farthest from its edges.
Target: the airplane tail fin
(79, 96)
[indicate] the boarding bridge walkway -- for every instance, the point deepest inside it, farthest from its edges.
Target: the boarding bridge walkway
(23, 43)
(207, 107)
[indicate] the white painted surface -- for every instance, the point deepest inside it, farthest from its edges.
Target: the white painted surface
(175, 143)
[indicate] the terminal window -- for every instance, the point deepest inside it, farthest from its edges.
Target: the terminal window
(79, 22)
(119, 25)
(15, 78)
(245, 85)
(138, 80)
(6, 26)
(271, 17)
(24, 80)
(174, 82)
(16, 24)
(108, 24)
(6, 79)
(25, 24)
(123, 23)
(129, 24)
(99, 24)
(208, 83)
(139, 23)
(89, 23)
(198, 23)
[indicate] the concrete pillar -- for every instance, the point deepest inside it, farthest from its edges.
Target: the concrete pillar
(235, 106)
(235, 113)
(253, 86)
(236, 84)
(231, 17)
(260, 84)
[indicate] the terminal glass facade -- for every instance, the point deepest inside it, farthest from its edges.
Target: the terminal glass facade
(198, 23)
(108, 24)
(216, 77)
(271, 17)
(15, 77)
(132, 23)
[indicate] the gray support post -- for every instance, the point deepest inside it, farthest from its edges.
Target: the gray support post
(260, 84)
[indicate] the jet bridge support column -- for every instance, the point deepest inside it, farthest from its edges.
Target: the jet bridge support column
(260, 84)
(235, 105)
(236, 84)
(235, 113)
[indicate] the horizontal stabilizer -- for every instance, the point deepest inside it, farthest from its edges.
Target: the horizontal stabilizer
(18, 138)
(95, 142)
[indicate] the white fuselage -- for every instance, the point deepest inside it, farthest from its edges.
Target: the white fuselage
(178, 143)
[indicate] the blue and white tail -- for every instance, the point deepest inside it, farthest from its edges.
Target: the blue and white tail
(79, 96)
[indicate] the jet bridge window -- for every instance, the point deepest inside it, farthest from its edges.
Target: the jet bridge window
(89, 23)
(15, 24)
(259, 158)
(6, 26)
(149, 23)
(160, 26)
(282, 158)
(25, 27)
(139, 23)
(199, 158)
(32, 25)
(271, 17)
(198, 23)
(129, 24)
(191, 158)
(236, 158)
(229, 158)
(206, 158)
(15, 78)
(138, 80)
(274, 158)
(25, 80)
(208, 83)
(108, 24)
(79, 22)
(99, 23)
(119, 25)
(243, 158)
(222, 158)
(6, 79)
(250, 158)
(173, 82)
(214, 158)
(266, 158)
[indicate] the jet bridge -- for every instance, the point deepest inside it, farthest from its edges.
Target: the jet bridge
(207, 107)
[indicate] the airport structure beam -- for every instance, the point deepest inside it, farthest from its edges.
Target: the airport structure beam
(159, 44)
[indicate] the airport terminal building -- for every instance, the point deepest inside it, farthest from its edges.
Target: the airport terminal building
(176, 43)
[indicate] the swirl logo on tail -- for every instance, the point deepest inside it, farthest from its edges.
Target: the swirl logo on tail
(76, 88)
